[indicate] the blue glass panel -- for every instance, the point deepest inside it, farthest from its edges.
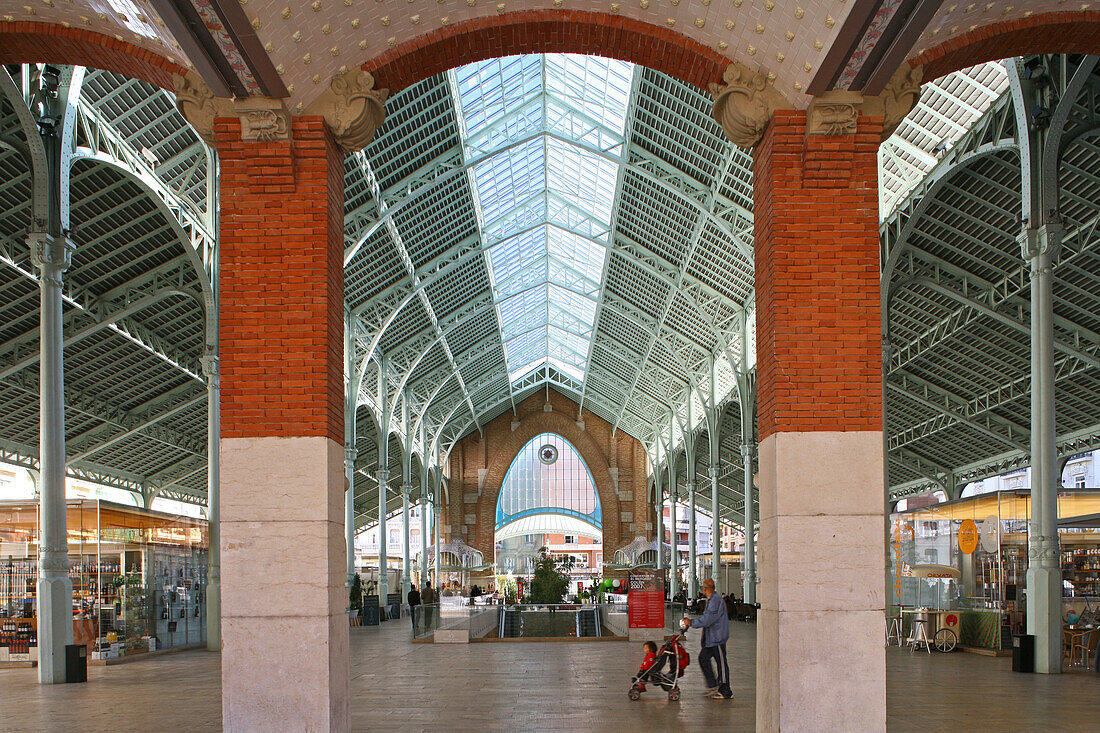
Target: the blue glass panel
(532, 485)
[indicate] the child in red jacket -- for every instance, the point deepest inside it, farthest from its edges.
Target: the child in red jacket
(647, 662)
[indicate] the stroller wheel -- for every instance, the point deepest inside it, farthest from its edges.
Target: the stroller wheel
(634, 694)
(674, 696)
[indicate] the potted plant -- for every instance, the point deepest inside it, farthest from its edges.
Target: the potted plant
(355, 600)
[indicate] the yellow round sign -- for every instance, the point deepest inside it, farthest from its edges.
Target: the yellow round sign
(968, 536)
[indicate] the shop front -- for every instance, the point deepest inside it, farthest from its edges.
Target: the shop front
(139, 579)
(986, 539)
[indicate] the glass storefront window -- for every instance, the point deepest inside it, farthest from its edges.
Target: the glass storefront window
(139, 577)
(994, 573)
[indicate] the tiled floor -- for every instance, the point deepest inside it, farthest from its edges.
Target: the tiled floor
(575, 686)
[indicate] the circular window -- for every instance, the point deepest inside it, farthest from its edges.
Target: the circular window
(548, 454)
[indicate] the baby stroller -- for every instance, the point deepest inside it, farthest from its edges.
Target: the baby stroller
(673, 658)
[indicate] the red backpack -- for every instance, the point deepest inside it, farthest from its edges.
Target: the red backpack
(683, 659)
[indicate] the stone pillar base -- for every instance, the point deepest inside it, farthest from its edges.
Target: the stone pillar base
(55, 627)
(285, 655)
(820, 658)
(1044, 589)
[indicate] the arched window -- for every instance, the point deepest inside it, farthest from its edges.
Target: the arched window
(548, 476)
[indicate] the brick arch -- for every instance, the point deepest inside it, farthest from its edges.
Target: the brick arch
(50, 43)
(532, 425)
(1062, 32)
(547, 31)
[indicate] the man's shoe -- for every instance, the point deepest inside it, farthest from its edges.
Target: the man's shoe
(720, 696)
(709, 691)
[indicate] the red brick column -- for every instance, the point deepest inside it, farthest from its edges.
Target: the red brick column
(282, 489)
(819, 384)
(281, 283)
(817, 278)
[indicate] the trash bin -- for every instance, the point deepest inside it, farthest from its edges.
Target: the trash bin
(76, 663)
(1023, 653)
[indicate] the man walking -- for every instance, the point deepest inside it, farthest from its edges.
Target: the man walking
(716, 631)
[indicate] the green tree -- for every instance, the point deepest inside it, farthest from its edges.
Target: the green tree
(548, 585)
(355, 593)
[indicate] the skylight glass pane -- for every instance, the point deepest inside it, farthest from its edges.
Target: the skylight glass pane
(581, 255)
(546, 203)
(599, 86)
(569, 310)
(506, 179)
(492, 89)
(531, 213)
(585, 180)
(518, 255)
(523, 311)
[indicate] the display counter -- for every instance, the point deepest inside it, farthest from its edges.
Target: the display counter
(982, 629)
(20, 635)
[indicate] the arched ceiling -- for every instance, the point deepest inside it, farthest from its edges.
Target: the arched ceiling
(617, 289)
(673, 293)
(292, 50)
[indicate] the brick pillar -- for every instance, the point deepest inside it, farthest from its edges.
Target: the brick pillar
(285, 656)
(820, 657)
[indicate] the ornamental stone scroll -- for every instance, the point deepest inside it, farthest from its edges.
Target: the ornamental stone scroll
(745, 103)
(352, 108)
(199, 106)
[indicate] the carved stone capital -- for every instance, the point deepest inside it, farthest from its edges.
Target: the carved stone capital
(52, 255)
(744, 104)
(263, 119)
(1043, 550)
(834, 113)
(53, 560)
(210, 365)
(899, 97)
(352, 108)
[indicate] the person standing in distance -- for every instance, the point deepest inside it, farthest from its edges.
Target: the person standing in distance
(716, 631)
(414, 601)
(427, 598)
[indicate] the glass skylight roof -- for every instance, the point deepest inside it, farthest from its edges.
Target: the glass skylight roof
(947, 109)
(538, 129)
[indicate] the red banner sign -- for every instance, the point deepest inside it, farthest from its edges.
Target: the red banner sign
(646, 600)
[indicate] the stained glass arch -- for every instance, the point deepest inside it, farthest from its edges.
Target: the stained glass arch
(562, 486)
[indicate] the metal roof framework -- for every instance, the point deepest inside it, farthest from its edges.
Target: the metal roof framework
(670, 308)
(137, 296)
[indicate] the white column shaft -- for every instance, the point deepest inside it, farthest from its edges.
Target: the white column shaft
(1044, 574)
(54, 588)
(693, 574)
(213, 507)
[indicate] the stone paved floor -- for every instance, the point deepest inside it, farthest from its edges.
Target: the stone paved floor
(543, 687)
